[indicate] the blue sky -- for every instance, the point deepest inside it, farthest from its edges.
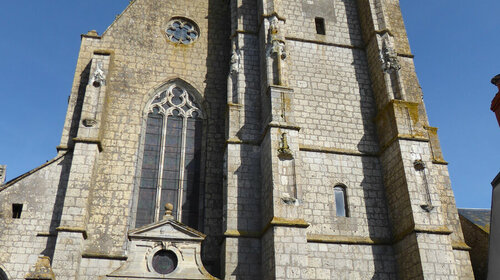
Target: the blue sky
(455, 44)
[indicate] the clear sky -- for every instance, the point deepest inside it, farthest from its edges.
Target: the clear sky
(455, 43)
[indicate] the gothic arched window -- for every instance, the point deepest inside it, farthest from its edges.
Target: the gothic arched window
(340, 201)
(171, 158)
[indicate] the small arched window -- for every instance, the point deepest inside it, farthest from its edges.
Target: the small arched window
(171, 158)
(340, 201)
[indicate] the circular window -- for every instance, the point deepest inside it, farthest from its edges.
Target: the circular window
(182, 31)
(164, 262)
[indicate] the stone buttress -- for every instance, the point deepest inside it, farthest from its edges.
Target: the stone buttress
(427, 236)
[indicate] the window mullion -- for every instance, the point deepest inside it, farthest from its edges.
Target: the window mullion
(160, 168)
(181, 169)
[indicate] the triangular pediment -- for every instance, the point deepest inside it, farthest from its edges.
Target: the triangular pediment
(166, 229)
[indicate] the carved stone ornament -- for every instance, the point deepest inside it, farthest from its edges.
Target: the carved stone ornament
(389, 58)
(175, 100)
(419, 165)
(89, 122)
(166, 249)
(284, 150)
(277, 42)
(235, 62)
(98, 78)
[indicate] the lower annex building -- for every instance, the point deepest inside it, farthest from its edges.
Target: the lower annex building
(241, 139)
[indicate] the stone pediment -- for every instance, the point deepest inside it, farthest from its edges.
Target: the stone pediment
(167, 228)
(166, 249)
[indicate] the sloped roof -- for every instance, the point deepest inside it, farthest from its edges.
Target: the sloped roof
(479, 217)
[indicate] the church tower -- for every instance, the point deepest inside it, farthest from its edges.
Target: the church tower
(240, 139)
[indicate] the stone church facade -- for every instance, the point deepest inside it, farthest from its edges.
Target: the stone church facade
(241, 139)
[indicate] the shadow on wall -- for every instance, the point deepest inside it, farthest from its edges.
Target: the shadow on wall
(66, 166)
(58, 206)
(377, 215)
(217, 63)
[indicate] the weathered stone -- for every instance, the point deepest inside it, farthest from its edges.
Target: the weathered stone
(288, 115)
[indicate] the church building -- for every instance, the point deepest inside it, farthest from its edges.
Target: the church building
(245, 140)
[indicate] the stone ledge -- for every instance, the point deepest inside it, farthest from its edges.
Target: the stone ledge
(309, 148)
(340, 239)
(461, 246)
(73, 229)
(319, 42)
(443, 230)
(46, 234)
(238, 141)
(284, 125)
(239, 31)
(402, 137)
(246, 234)
(390, 105)
(89, 141)
(275, 222)
(92, 255)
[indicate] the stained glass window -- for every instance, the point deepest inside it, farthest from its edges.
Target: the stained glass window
(171, 161)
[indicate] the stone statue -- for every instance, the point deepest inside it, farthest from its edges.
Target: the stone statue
(389, 57)
(235, 62)
(98, 78)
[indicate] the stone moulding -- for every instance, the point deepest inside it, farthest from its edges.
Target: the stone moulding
(340, 239)
(443, 230)
(328, 150)
(89, 141)
(73, 229)
(90, 255)
(275, 221)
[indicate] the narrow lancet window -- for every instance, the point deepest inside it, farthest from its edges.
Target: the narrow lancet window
(340, 201)
(171, 161)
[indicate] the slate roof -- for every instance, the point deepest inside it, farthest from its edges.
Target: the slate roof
(479, 217)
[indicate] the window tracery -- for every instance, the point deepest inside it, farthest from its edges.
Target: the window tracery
(170, 171)
(181, 31)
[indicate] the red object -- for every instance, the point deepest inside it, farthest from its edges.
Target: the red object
(495, 106)
(495, 103)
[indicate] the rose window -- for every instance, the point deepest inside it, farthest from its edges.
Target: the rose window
(181, 31)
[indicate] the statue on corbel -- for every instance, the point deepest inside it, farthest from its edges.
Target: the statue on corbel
(392, 69)
(276, 50)
(232, 79)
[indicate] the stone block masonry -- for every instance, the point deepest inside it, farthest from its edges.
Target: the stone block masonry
(315, 158)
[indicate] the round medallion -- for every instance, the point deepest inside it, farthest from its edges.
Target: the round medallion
(164, 262)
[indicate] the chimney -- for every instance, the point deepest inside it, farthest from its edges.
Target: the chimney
(495, 103)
